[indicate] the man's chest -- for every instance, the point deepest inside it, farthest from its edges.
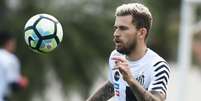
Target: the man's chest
(141, 73)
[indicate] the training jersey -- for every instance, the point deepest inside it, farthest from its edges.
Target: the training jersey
(151, 71)
(9, 71)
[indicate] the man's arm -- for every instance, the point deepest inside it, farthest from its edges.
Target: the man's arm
(143, 95)
(104, 93)
(140, 93)
(21, 84)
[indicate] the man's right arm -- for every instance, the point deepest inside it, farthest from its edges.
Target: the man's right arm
(104, 93)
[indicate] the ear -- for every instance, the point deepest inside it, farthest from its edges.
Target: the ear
(142, 32)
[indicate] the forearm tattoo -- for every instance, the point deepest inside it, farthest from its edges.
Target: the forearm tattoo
(143, 95)
(104, 93)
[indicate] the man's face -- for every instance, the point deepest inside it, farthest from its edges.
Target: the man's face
(11, 45)
(125, 34)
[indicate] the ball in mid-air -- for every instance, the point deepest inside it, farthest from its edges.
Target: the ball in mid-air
(43, 33)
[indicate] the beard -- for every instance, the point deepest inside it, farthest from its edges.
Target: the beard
(128, 47)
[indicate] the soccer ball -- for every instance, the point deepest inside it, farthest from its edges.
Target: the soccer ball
(43, 33)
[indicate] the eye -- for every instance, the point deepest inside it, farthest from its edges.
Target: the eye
(123, 27)
(115, 27)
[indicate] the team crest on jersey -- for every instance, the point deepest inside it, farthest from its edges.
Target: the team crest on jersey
(140, 79)
(116, 76)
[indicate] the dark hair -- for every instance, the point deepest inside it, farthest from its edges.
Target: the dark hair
(141, 15)
(5, 36)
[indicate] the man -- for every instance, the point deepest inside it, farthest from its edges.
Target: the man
(197, 46)
(10, 78)
(136, 72)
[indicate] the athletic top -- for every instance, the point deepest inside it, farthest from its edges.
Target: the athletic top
(9, 71)
(151, 71)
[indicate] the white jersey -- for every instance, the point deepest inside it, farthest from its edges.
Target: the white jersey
(151, 71)
(9, 71)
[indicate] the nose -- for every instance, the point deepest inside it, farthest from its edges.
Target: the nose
(116, 33)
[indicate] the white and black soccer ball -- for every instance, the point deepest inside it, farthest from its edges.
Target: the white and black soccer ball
(43, 33)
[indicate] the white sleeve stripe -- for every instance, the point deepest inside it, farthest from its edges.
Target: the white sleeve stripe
(159, 88)
(161, 67)
(161, 73)
(163, 78)
(159, 63)
(159, 83)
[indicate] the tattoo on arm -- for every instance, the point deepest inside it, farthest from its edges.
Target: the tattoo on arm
(142, 95)
(153, 96)
(104, 93)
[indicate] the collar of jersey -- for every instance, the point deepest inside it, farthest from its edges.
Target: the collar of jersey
(141, 60)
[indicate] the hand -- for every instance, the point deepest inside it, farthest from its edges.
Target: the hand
(122, 65)
(23, 82)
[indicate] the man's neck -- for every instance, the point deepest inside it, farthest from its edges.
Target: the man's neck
(8, 49)
(138, 53)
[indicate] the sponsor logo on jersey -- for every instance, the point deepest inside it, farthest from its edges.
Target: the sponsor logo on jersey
(116, 84)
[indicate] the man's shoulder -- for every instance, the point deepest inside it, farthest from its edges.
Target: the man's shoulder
(7, 57)
(7, 54)
(154, 57)
(157, 62)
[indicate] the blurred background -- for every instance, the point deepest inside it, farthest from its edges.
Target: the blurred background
(79, 64)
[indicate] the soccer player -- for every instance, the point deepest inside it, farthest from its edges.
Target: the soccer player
(197, 46)
(136, 72)
(10, 77)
